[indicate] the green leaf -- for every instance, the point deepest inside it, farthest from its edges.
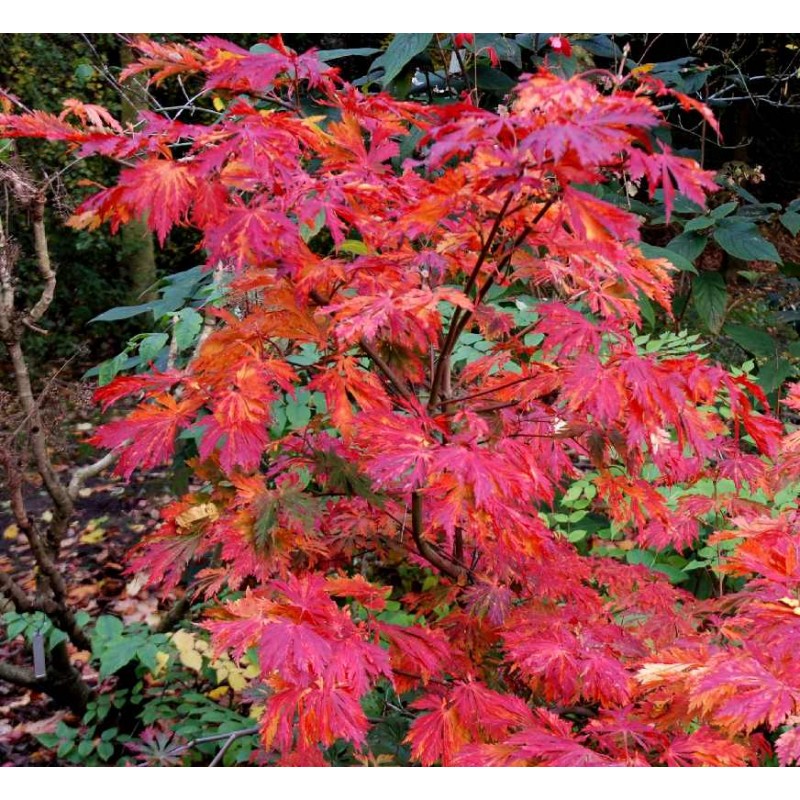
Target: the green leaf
(105, 750)
(402, 48)
(726, 208)
(297, 412)
(673, 256)
(640, 557)
(49, 740)
(151, 346)
(493, 80)
(743, 240)
(600, 45)
(757, 342)
(647, 310)
(773, 373)
(353, 246)
(791, 268)
(108, 627)
(83, 72)
(791, 221)
(55, 636)
(308, 355)
(65, 748)
(85, 747)
(308, 232)
(699, 224)
(695, 564)
(262, 47)
(187, 327)
(710, 298)
(116, 655)
(674, 574)
(688, 244)
(122, 312)
(506, 49)
(348, 52)
(16, 627)
(108, 370)
(148, 655)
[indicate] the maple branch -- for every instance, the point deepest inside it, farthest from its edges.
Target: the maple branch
(458, 546)
(426, 550)
(449, 342)
(505, 261)
(388, 372)
(373, 354)
(460, 320)
(482, 392)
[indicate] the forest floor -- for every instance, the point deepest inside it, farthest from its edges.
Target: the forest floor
(111, 517)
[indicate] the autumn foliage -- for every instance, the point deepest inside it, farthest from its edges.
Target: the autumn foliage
(396, 536)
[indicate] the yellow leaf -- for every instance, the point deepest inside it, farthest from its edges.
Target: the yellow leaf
(216, 694)
(197, 514)
(218, 103)
(191, 659)
(162, 659)
(252, 671)
(93, 536)
(183, 640)
(237, 680)
(11, 532)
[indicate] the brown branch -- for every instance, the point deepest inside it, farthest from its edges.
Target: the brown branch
(426, 550)
(43, 262)
(58, 610)
(175, 614)
(6, 283)
(443, 361)
(390, 375)
(482, 392)
(388, 372)
(505, 262)
(20, 676)
(57, 607)
(16, 594)
(458, 546)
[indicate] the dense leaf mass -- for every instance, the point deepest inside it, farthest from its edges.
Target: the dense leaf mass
(451, 285)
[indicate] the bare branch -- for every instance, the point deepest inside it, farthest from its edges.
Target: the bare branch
(229, 738)
(19, 676)
(82, 474)
(16, 594)
(43, 262)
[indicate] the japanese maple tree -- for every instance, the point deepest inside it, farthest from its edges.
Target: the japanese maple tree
(452, 289)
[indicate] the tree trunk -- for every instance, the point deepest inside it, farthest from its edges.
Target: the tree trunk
(138, 246)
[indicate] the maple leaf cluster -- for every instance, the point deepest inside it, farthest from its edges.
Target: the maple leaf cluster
(379, 236)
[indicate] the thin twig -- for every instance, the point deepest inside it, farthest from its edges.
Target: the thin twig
(82, 474)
